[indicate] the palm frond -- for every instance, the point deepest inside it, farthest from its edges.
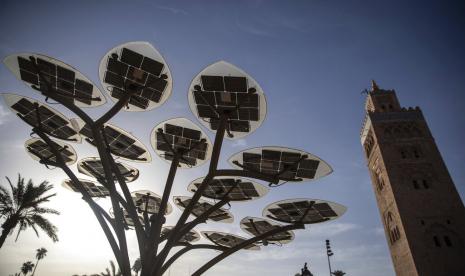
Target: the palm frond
(29, 193)
(39, 200)
(13, 192)
(6, 203)
(5, 198)
(49, 229)
(43, 210)
(22, 226)
(137, 266)
(19, 191)
(32, 225)
(42, 188)
(34, 195)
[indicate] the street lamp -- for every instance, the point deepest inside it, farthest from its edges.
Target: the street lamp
(329, 253)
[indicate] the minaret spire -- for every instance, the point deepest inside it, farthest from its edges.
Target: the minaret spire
(374, 86)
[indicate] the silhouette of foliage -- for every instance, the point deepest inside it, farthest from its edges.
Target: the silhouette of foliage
(22, 207)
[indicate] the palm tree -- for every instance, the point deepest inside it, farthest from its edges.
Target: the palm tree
(137, 266)
(27, 267)
(41, 253)
(22, 207)
(338, 273)
(113, 271)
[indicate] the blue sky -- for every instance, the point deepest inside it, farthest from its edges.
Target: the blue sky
(312, 59)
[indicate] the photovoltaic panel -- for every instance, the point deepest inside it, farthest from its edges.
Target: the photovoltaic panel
(183, 137)
(257, 226)
(284, 163)
(121, 143)
(93, 189)
(40, 151)
(92, 166)
(190, 237)
(238, 189)
(227, 239)
(306, 211)
(147, 201)
(138, 68)
(56, 78)
(220, 215)
(222, 88)
(51, 121)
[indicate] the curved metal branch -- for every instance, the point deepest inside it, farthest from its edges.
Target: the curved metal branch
(114, 109)
(98, 211)
(121, 102)
(188, 248)
(155, 227)
(102, 211)
(127, 201)
(128, 204)
(98, 133)
(244, 244)
(204, 216)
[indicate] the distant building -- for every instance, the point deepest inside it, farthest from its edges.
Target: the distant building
(422, 213)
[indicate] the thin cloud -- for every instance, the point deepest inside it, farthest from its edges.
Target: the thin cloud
(284, 253)
(239, 143)
(379, 231)
(254, 30)
(293, 24)
(173, 10)
(332, 229)
(177, 105)
(4, 115)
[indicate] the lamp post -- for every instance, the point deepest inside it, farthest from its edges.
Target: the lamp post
(329, 253)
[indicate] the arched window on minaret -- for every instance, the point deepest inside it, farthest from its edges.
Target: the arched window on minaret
(391, 226)
(419, 177)
(440, 236)
(377, 175)
(369, 142)
(379, 179)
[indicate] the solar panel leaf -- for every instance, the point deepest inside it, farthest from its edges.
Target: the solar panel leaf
(139, 69)
(223, 89)
(305, 211)
(54, 79)
(180, 136)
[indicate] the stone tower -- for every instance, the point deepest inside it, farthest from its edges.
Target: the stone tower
(422, 213)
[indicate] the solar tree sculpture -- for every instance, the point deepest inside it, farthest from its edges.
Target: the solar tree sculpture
(226, 101)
